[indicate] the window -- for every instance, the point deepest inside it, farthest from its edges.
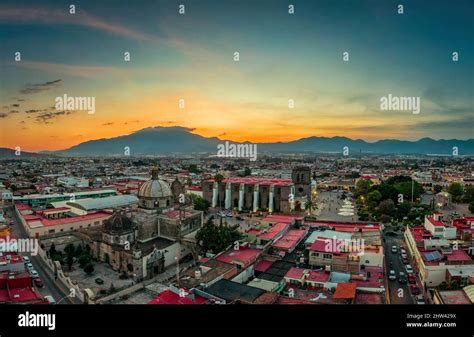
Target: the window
(51, 231)
(327, 256)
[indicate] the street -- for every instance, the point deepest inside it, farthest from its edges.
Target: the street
(50, 287)
(396, 296)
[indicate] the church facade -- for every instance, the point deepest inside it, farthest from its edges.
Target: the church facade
(143, 242)
(253, 194)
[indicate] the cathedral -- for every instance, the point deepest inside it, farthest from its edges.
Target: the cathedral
(143, 242)
(255, 193)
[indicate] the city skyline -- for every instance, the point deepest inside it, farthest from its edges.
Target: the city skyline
(283, 57)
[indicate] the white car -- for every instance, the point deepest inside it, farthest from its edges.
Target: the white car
(402, 251)
(420, 299)
(394, 249)
(34, 273)
(392, 275)
(409, 269)
(29, 266)
(404, 256)
(26, 259)
(50, 299)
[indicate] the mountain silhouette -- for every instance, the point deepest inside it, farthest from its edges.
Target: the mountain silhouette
(181, 140)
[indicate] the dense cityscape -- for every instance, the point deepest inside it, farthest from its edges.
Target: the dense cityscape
(299, 229)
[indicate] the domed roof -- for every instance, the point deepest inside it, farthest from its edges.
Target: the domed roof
(118, 223)
(154, 188)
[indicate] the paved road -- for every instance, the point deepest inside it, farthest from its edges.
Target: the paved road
(396, 297)
(328, 203)
(50, 287)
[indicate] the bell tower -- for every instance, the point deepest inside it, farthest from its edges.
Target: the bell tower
(301, 176)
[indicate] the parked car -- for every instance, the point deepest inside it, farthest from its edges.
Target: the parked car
(409, 269)
(402, 278)
(38, 282)
(414, 289)
(411, 278)
(30, 266)
(405, 260)
(50, 299)
(34, 273)
(404, 256)
(394, 249)
(420, 299)
(392, 276)
(26, 259)
(403, 251)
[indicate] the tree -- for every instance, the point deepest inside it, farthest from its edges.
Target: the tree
(69, 249)
(215, 238)
(218, 177)
(405, 188)
(437, 189)
(194, 169)
(387, 207)
(374, 196)
(199, 203)
(403, 209)
(89, 269)
(69, 261)
(471, 207)
(468, 196)
(362, 187)
(52, 249)
(84, 259)
(456, 191)
(79, 250)
(247, 172)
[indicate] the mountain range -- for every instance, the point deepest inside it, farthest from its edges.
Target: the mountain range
(180, 140)
(167, 140)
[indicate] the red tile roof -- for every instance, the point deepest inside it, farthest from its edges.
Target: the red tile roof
(326, 246)
(272, 232)
(170, 297)
(290, 239)
(244, 255)
(345, 291)
(62, 221)
(256, 181)
(263, 265)
(318, 276)
(458, 255)
(295, 273)
(346, 226)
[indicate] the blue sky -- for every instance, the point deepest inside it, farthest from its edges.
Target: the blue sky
(282, 57)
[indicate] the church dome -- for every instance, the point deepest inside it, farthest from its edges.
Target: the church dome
(118, 223)
(154, 188)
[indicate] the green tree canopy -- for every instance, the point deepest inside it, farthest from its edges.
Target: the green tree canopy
(215, 238)
(456, 191)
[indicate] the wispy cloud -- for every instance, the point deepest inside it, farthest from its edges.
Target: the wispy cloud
(35, 88)
(81, 18)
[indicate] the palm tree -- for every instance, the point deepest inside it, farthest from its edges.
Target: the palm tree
(310, 206)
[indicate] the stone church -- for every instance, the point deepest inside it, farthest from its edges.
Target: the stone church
(142, 243)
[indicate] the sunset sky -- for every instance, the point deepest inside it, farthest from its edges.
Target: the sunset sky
(191, 57)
